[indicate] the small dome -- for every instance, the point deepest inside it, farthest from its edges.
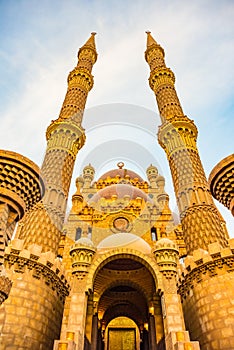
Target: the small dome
(79, 179)
(120, 190)
(160, 178)
(152, 170)
(88, 171)
(165, 243)
(85, 242)
(125, 240)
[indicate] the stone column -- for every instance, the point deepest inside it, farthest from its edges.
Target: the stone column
(76, 319)
(81, 253)
(176, 337)
(100, 345)
(94, 337)
(145, 340)
(152, 332)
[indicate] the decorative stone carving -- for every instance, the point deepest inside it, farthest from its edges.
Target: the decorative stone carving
(203, 264)
(5, 287)
(82, 254)
(43, 266)
(166, 254)
(221, 182)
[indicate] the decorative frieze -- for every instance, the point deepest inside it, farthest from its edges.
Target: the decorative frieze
(43, 266)
(82, 253)
(205, 264)
(166, 254)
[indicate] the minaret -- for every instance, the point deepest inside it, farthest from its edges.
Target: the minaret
(65, 136)
(202, 223)
(88, 175)
(77, 198)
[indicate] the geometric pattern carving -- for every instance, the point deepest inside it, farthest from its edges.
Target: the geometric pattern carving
(221, 181)
(42, 226)
(21, 182)
(202, 226)
(5, 287)
(64, 165)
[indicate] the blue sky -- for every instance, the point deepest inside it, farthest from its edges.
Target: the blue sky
(39, 44)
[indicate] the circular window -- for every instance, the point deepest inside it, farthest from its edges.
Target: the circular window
(121, 224)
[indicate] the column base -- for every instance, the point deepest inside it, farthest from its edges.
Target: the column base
(64, 345)
(180, 341)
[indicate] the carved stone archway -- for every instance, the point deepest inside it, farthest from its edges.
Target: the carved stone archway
(121, 253)
(123, 283)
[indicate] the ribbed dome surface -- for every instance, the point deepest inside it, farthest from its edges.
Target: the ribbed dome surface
(122, 173)
(165, 243)
(85, 242)
(120, 190)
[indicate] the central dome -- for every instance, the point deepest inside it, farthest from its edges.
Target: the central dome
(120, 191)
(121, 173)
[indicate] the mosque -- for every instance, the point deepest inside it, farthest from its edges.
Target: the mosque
(120, 273)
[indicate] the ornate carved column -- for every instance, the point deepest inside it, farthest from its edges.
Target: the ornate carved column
(166, 254)
(81, 253)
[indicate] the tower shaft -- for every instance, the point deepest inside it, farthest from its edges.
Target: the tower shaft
(202, 223)
(65, 136)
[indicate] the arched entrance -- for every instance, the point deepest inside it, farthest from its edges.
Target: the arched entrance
(124, 288)
(122, 333)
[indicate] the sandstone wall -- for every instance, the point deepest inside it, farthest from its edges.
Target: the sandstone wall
(31, 317)
(207, 291)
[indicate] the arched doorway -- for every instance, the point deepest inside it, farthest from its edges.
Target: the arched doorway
(124, 288)
(122, 333)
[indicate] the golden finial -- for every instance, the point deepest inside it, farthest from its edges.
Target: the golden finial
(150, 40)
(120, 165)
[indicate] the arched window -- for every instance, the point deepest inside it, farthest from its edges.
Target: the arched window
(90, 232)
(154, 235)
(78, 233)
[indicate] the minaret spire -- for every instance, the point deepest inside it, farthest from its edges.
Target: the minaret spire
(201, 221)
(150, 40)
(90, 43)
(161, 76)
(65, 137)
(79, 80)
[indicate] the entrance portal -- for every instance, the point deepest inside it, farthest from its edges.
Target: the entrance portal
(122, 334)
(124, 308)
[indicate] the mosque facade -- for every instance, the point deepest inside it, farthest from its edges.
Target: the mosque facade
(121, 272)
